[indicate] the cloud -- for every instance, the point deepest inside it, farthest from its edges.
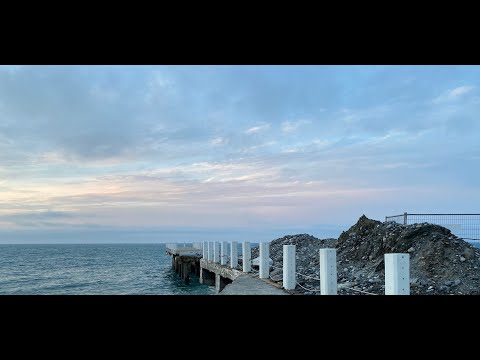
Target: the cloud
(453, 94)
(219, 141)
(291, 126)
(257, 129)
(169, 145)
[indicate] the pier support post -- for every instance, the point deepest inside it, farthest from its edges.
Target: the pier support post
(289, 276)
(328, 272)
(264, 263)
(186, 272)
(397, 274)
(216, 252)
(233, 255)
(210, 251)
(246, 256)
(224, 253)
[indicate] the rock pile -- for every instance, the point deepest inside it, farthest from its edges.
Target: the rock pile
(440, 263)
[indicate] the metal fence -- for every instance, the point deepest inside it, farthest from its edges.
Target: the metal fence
(465, 226)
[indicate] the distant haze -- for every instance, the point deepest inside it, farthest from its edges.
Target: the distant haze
(192, 153)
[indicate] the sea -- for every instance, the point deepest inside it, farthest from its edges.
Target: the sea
(92, 269)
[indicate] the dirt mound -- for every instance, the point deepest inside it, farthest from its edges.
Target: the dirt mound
(440, 263)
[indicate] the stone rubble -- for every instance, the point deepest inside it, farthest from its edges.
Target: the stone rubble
(440, 263)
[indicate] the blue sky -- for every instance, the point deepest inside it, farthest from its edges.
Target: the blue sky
(188, 153)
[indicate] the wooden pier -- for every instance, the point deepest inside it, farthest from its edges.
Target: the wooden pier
(185, 261)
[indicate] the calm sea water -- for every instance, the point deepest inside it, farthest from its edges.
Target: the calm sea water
(92, 269)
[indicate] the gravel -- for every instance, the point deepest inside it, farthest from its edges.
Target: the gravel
(440, 263)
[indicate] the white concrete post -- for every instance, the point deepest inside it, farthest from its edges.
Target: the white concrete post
(233, 255)
(173, 247)
(216, 252)
(328, 272)
(247, 257)
(397, 274)
(210, 251)
(205, 250)
(224, 253)
(264, 263)
(289, 276)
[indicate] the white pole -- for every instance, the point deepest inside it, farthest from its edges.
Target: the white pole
(247, 257)
(205, 250)
(264, 263)
(397, 274)
(289, 276)
(328, 272)
(233, 255)
(224, 253)
(210, 251)
(216, 252)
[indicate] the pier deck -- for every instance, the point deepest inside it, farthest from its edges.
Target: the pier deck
(249, 285)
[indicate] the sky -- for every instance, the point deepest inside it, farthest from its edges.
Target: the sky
(245, 153)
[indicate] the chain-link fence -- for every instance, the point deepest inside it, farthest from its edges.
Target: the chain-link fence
(465, 226)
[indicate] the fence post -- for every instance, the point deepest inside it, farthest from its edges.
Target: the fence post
(210, 251)
(404, 218)
(216, 252)
(223, 253)
(328, 272)
(385, 218)
(264, 263)
(233, 255)
(205, 250)
(397, 274)
(289, 276)
(247, 257)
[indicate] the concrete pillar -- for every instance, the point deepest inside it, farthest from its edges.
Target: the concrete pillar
(247, 256)
(216, 252)
(233, 254)
(328, 272)
(186, 272)
(224, 253)
(210, 251)
(289, 276)
(397, 274)
(264, 264)
(404, 218)
(205, 250)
